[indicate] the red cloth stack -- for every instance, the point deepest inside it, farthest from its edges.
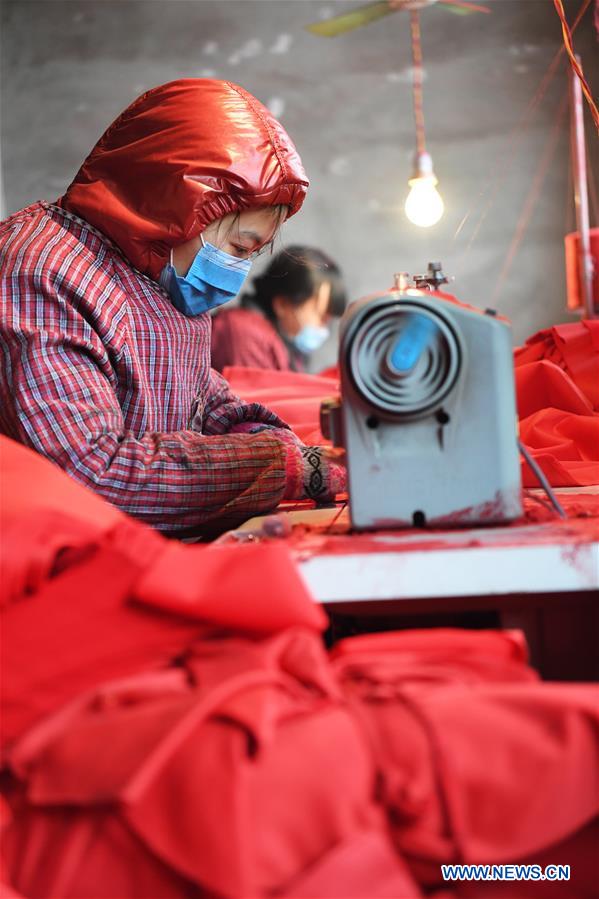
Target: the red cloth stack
(557, 384)
(480, 762)
(173, 726)
(170, 723)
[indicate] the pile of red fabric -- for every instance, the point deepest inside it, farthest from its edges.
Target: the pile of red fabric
(557, 384)
(172, 726)
(480, 762)
(557, 390)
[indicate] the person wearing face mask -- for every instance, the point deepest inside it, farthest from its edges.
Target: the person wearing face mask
(105, 313)
(285, 318)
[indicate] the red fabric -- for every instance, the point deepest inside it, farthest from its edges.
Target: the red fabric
(86, 591)
(245, 337)
(243, 775)
(438, 656)
(226, 585)
(574, 348)
(31, 484)
(150, 754)
(481, 763)
(179, 157)
(557, 384)
(116, 785)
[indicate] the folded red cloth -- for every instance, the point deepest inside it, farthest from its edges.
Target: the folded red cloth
(557, 384)
(480, 762)
(90, 594)
(239, 774)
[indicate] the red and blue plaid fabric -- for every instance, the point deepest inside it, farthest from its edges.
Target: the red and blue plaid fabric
(102, 375)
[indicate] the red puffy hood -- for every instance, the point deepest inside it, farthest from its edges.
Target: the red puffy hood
(179, 157)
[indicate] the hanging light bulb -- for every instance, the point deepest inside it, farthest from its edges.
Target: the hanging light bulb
(424, 205)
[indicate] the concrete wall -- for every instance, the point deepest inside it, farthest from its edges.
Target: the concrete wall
(70, 66)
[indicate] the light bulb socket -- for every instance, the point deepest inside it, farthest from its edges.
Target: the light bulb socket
(423, 167)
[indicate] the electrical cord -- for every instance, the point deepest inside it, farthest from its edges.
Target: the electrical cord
(575, 63)
(538, 472)
(417, 76)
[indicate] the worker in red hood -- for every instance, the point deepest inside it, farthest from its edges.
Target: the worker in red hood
(105, 325)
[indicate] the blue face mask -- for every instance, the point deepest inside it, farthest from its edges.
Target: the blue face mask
(214, 278)
(310, 338)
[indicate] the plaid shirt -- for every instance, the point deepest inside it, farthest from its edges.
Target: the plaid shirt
(102, 375)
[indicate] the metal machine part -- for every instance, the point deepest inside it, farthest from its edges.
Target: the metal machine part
(433, 279)
(427, 415)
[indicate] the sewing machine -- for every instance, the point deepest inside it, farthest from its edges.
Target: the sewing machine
(427, 414)
(428, 421)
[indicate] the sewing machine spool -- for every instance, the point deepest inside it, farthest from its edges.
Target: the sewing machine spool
(404, 358)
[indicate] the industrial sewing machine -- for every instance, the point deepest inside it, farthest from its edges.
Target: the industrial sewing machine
(427, 414)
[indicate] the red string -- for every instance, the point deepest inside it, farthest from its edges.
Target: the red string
(574, 62)
(417, 80)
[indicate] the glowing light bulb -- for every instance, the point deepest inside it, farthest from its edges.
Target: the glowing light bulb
(424, 205)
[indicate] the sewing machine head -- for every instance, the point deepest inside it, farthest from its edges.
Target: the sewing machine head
(427, 414)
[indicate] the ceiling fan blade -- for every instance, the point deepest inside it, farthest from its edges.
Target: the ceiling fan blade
(463, 7)
(363, 15)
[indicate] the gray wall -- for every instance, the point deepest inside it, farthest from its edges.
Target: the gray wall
(70, 66)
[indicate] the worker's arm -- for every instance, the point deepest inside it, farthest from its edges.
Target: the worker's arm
(313, 473)
(59, 400)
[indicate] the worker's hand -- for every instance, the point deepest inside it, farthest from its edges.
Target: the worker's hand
(313, 472)
(324, 473)
(334, 454)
